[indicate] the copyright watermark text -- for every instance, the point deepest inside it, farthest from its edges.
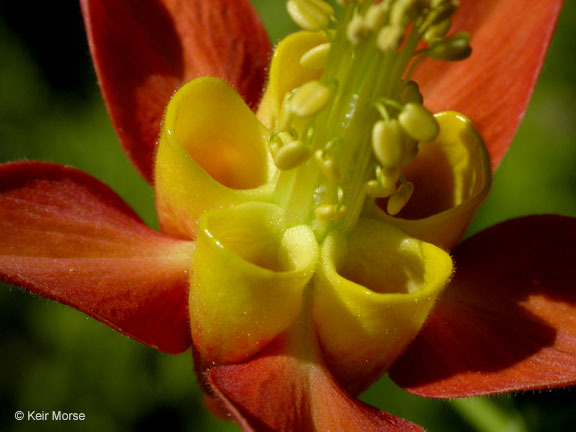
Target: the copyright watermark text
(49, 416)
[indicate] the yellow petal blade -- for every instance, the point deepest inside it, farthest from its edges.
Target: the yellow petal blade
(451, 177)
(212, 154)
(249, 276)
(373, 292)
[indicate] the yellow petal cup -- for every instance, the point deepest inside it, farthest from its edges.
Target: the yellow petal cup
(452, 178)
(373, 291)
(250, 273)
(213, 153)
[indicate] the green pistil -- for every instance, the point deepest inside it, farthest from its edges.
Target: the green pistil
(344, 139)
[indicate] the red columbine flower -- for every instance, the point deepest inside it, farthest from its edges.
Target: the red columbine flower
(303, 250)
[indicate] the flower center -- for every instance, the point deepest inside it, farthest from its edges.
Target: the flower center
(342, 141)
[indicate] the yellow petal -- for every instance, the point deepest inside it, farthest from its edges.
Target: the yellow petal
(212, 153)
(373, 292)
(249, 276)
(286, 73)
(451, 177)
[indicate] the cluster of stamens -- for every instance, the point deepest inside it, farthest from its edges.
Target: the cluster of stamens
(363, 120)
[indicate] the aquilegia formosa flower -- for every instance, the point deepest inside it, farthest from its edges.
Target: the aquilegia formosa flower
(303, 248)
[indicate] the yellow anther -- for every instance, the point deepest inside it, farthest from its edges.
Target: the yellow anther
(400, 198)
(316, 58)
(411, 93)
(438, 30)
(388, 177)
(291, 155)
(418, 122)
(377, 190)
(388, 142)
(442, 12)
(356, 30)
(434, 4)
(330, 212)
(390, 37)
(327, 166)
(310, 15)
(372, 188)
(376, 16)
(385, 183)
(440, 4)
(402, 12)
(454, 48)
(309, 99)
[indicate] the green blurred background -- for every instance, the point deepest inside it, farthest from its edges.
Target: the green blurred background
(54, 358)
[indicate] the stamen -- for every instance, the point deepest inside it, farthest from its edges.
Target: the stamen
(377, 190)
(313, 15)
(316, 58)
(327, 166)
(388, 142)
(330, 212)
(390, 37)
(356, 31)
(402, 12)
(411, 93)
(440, 13)
(376, 16)
(387, 177)
(454, 48)
(438, 30)
(418, 122)
(385, 183)
(292, 153)
(309, 99)
(365, 98)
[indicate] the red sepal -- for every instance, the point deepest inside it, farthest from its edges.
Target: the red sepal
(493, 87)
(282, 391)
(66, 236)
(145, 50)
(508, 320)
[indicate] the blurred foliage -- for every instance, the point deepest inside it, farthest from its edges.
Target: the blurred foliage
(54, 358)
